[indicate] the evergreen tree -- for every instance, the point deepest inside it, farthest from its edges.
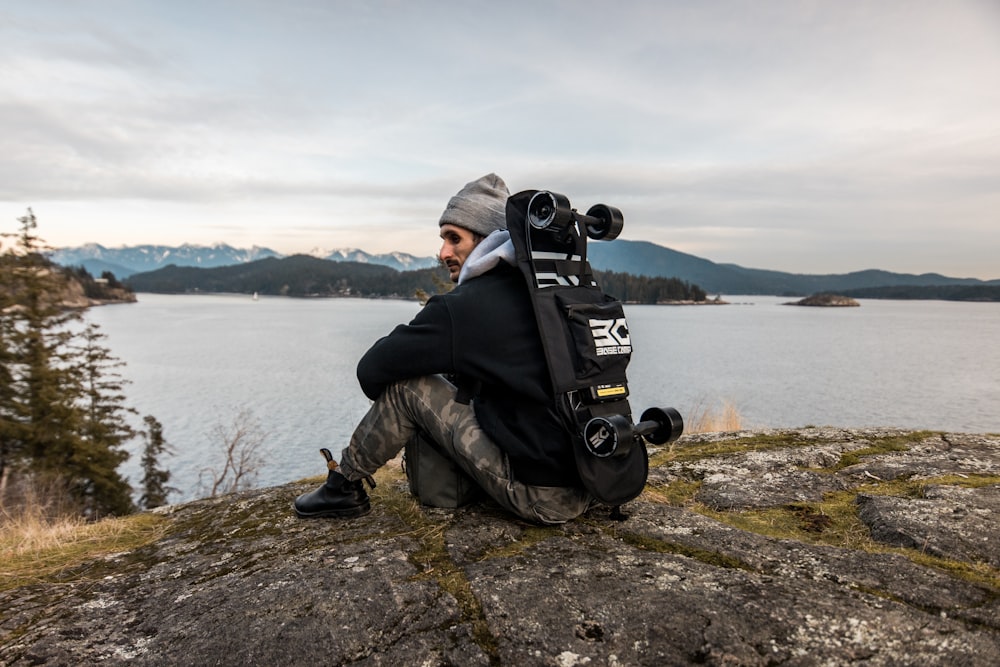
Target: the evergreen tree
(644, 289)
(9, 431)
(61, 414)
(154, 478)
(110, 277)
(41, 414)
(105, 429)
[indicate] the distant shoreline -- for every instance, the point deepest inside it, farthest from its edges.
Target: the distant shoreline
(707, 302)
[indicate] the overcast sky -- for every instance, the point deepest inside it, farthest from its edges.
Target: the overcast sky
(821, 136)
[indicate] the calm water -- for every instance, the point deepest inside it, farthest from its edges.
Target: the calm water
(195, 362)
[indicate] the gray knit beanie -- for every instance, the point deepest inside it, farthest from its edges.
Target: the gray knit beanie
(480, 207)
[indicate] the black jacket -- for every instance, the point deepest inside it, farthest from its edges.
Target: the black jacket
(484, 331)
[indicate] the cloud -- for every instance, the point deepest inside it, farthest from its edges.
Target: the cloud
(727, 128)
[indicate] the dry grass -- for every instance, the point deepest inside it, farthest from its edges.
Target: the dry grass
(32, 530)
(35, 515)
(711, 419)
(39, 537)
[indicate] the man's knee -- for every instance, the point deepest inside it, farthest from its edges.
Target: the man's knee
(431, 392)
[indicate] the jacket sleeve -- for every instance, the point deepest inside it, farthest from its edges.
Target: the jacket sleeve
(422, 347)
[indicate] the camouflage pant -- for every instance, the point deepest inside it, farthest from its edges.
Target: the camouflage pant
(428, 404)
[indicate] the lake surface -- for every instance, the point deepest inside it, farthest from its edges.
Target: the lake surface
(196, 362)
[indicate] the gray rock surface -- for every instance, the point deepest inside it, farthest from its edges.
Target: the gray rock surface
(805, 547)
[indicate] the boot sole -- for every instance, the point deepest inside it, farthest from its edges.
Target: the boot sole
(347, 513)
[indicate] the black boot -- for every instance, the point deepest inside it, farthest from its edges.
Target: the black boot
(338, 497)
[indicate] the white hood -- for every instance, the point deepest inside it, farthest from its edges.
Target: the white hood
(485, 256)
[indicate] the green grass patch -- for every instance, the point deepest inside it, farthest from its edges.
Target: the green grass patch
(886, 445)
(977, 573)
(906, 487)
(834, 522)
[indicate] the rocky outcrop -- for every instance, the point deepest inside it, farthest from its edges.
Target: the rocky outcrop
(825, 300)
(73, 296)
(804, 547)
(66, 290)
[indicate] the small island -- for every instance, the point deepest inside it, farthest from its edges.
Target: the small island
(825, 300)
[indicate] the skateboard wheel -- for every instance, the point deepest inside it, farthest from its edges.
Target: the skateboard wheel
(549, 210)
(609, 222)
(603, 436)
(669, 425)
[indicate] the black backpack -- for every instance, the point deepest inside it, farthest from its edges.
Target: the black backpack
(586, 340)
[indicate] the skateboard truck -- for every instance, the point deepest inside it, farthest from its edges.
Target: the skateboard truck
(603, 436)
(552, 211)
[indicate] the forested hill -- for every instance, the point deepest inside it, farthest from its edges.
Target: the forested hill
(304, 276)
(644, 258)
(298, 275)
(937, 292)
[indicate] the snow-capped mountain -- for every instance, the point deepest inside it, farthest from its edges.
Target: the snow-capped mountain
(400, 261)
(127, 260)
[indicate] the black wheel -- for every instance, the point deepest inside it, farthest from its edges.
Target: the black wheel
(609, 225)
(669, 425)
(549, 210)
(604, 435)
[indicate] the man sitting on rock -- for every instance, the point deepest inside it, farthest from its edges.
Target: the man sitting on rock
(508, 438)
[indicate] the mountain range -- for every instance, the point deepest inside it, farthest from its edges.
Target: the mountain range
(644, 258)
(128, 260)
(622, 256)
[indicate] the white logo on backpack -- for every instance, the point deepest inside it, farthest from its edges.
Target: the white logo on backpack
(611, 336)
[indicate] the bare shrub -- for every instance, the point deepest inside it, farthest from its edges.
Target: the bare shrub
(239, 444)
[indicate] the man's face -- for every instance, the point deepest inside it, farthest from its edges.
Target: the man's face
(458, 242)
